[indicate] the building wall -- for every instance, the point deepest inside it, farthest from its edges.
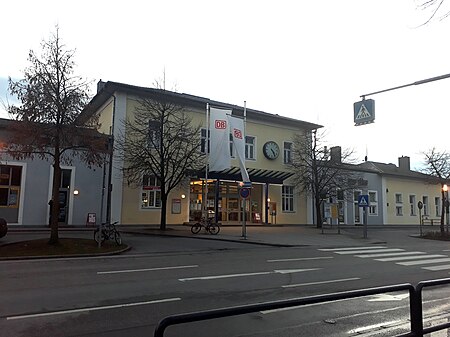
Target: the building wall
(128, 210)
(373, 185)
(35, 192)
(405, 188)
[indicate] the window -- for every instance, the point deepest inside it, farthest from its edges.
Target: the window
(154, 134)
(412, 205)
(399, 204)
(203, 141)
(10, 179)
(151, 192)
(425, 205)
(356, 208)
(250, 147)
(287, 198)
(231, 146)
(287, 153)
(373, 203)
(437, 206)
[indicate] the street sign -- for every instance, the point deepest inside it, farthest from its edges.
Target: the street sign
(364, 112)
(363, 200)
(247, 184)
(244, 192)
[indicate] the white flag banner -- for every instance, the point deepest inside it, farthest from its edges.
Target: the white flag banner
(219, 151)
(237, 131)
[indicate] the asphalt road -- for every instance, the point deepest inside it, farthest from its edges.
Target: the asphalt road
(127, 295)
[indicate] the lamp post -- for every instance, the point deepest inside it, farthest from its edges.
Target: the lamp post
(446, 205)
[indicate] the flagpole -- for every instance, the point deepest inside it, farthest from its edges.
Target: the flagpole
(244, 200)
(205, 204)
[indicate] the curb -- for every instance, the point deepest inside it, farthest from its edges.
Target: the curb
(37, 257)
(216, 238)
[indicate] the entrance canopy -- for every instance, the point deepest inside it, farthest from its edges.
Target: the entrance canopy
(256, 175)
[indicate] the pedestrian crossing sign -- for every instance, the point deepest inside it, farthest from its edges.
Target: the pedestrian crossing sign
(363, 200)
(364, 112)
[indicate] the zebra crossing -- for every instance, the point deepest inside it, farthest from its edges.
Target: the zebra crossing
(399, 256)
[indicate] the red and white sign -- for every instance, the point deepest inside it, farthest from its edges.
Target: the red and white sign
(220, 124)
(237, 133)
(219, 151)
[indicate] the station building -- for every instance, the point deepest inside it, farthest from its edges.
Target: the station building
(273, 199)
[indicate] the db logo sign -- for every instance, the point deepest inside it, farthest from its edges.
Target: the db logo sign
(220, 124)
(237, 133)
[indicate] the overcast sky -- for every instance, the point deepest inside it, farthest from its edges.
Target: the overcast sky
(309, 60)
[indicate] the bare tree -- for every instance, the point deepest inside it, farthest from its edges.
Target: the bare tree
(50, 99)
(434, 6)
(437, 164)
(319, 172)
(161, 142)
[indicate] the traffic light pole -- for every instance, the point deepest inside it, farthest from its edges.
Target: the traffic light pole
(432, 79)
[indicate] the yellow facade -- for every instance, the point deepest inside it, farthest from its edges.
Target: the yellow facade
(403, 195)
(180, 201)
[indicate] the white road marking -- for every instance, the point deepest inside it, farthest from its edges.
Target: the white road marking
(435, 268)
(429, 261)
(365, 251)
(388, 297)
(302, 259)
(390, 254)
(320, 282)
(404, 258)
(373, 326)
(271, 311)
(349, 248)
(290, 271)
(215, 277)
(147, 269)
(64, 312)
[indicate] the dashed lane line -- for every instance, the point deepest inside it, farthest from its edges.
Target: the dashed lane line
(320, 282)
(74, 311)
(146, 269)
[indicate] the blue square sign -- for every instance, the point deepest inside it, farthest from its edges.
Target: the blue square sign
(363, 200)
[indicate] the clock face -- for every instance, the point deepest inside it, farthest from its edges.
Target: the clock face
(271, 150)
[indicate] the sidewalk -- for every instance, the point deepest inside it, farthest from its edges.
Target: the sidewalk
(283, 236)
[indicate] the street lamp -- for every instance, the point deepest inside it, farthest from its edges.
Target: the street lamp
(446, 204)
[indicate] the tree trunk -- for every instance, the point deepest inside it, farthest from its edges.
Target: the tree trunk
(163, 209)
(444, 204)
(318, 214)
(54, 238)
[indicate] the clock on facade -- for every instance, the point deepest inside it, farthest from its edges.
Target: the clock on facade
(271, 150)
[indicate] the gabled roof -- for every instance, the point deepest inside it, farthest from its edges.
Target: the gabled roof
(107, 89)
(393, 170)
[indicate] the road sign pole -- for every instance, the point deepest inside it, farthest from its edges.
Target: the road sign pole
(365, 222)
(244, 228)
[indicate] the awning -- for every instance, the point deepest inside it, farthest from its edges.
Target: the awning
(256, 175)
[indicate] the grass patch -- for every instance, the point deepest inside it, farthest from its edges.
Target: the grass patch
(445, 236)
(66, 246)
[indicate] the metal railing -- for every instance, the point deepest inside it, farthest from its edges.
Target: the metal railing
(415, 307)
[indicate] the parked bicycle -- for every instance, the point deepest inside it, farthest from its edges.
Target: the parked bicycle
(207, 224)
(109, 232)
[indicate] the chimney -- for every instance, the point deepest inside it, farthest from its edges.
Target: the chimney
(403, 163)
(336, 154)
(100, 85)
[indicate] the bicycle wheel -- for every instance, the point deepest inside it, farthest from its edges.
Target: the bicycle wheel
(195, 229)
(97, 236)
(214, 229)
(117, 238)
